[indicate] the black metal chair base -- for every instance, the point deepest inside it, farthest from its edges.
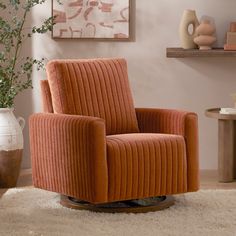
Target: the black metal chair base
(129, 206)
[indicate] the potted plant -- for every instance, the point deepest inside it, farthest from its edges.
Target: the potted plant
(15, 76)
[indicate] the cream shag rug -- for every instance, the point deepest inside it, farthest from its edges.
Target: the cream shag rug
(36, 212)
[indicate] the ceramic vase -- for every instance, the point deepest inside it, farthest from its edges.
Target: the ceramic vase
(205, 38)
(11, 147)
(234, 99)
(233, 27)
(189, 18)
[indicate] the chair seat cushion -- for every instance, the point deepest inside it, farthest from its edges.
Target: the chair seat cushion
(145, 164)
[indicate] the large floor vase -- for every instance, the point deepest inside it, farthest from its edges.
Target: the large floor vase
(11, 147)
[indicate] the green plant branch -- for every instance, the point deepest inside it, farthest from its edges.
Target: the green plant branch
(15, 70)
(19, 38)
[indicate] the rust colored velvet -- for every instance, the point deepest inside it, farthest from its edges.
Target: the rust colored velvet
(91, 148)
(46, 97)
(179, 123)
(145, 165)
(98, 88)
(69, 155)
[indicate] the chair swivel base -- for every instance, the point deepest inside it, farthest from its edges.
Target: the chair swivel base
(128, 206)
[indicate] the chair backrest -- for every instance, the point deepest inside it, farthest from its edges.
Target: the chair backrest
(94, 87)
(46, 97)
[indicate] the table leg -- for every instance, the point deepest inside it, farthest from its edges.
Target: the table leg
(226, 164)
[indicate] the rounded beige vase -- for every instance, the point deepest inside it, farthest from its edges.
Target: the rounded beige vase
(189, 18)
(234, 99)
(11, 147)
(205, 38)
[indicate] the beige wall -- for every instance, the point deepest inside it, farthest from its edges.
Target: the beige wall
(191, 84)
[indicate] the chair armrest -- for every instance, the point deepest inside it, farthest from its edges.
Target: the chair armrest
(68, 154)
(151, 120)
(175, 122)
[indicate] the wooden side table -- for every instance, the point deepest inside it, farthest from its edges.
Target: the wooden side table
(226, 144)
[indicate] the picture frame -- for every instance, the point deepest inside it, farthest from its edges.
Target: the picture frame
(92, 19)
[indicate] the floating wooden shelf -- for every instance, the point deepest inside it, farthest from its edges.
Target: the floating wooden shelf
(181, 53)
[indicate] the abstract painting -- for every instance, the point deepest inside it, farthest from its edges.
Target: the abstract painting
(91, 19)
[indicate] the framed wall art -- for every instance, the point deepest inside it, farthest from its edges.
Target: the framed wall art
(91, 19)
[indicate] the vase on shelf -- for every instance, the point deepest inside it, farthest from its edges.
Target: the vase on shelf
(11, 147)
(205, 38)
(230, 44)
(189, 18)
(234, 99)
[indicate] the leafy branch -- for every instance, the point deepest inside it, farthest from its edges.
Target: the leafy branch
(15, 70)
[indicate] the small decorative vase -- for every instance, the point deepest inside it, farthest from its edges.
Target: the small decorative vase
(234, 99)
(205, 37)
(233, 27)
(189, 18)
(11, 147)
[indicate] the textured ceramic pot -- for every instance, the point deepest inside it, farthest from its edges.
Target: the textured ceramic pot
(189, 18)
(11, 147)
(205, 38)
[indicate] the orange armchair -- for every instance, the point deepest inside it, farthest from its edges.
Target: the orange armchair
(92, 144)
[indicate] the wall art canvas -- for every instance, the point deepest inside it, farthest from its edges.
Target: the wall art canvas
(93, 19)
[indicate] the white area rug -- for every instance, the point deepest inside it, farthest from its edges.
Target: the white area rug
(36, 212)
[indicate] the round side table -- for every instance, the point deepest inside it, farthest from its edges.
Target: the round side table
(226, 144)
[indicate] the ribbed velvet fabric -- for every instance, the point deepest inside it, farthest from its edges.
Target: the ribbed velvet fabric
(90, 147)
(145, 165)
(68, 155)
(175, 122)
(98, 88)
(46, 97)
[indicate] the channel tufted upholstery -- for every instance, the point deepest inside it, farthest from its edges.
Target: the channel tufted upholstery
(92, 144)
(143, 165)
(96, 88)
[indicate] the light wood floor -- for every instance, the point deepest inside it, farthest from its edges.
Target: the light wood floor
(208, 180)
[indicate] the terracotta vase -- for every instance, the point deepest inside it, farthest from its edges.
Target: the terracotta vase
(233, 27)
(205, 38)
(189, 18)
(11, 147)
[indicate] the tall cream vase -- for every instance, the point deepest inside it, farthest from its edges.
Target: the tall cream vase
(11, 147)
(189, 18)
